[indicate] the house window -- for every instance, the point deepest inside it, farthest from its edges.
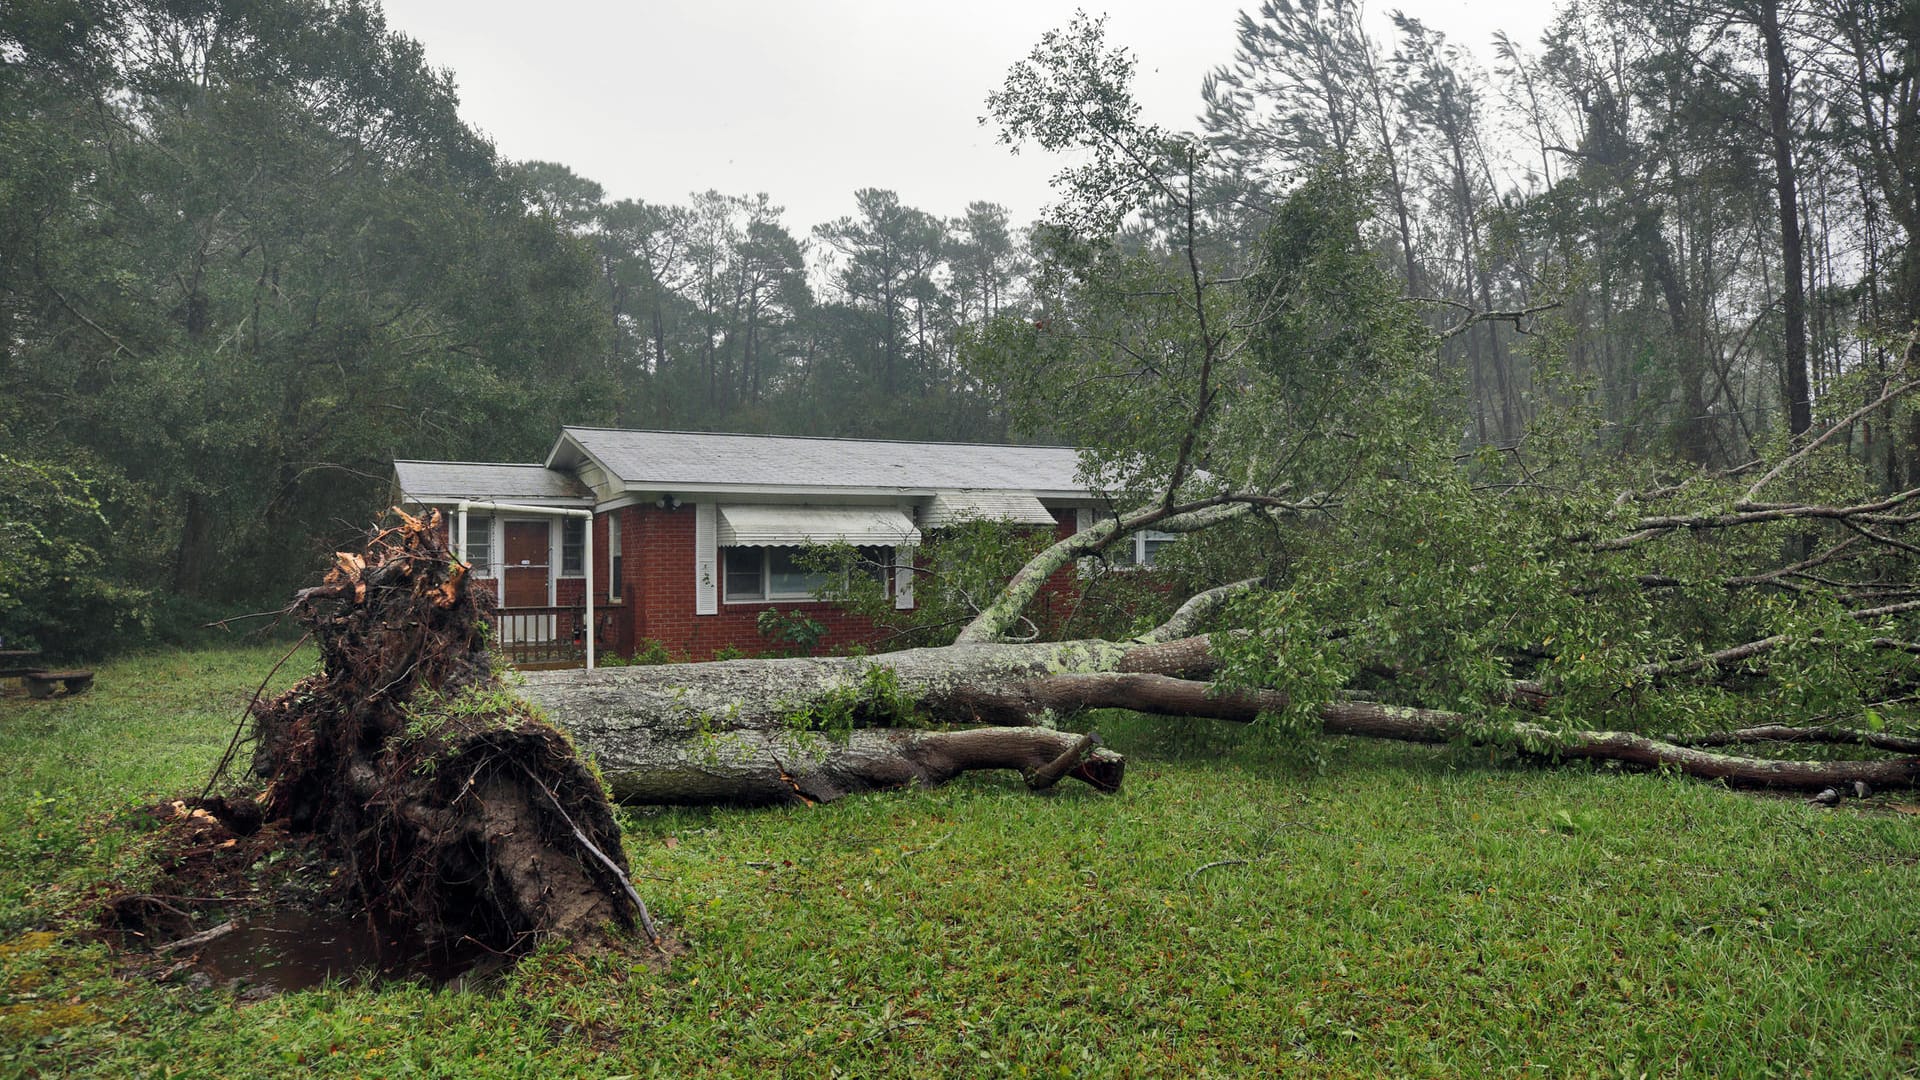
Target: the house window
(746, 573)
(778, 573)
(573, 544)
(613, 557)
(1147, 545)
(479, 553)
(1140, 549)
(876, 563)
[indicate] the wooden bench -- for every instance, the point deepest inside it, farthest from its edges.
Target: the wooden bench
(40, 683)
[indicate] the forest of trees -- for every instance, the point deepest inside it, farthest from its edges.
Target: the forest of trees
(249, 253)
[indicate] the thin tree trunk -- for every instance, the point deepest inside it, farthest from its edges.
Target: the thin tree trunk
(194, 555)
(1786, 183)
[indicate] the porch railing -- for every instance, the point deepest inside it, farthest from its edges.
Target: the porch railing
(541, 636)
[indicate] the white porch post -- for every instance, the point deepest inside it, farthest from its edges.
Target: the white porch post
(588, 558)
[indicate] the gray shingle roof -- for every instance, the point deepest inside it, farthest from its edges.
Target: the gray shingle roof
(444, 481)
(652, 460)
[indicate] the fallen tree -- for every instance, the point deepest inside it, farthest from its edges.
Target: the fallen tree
(1535, 594)
(449, 808)
(813, 729)
(722, 733)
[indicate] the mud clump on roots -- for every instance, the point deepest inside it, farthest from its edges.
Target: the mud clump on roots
(446, 804)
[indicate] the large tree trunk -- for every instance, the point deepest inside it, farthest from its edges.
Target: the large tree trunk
(814, 729)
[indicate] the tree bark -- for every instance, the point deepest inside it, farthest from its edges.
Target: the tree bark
(1786, 190)
(743, 731)
(812, 729)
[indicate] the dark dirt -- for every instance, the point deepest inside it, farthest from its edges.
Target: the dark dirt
(292, 926)
(404, 814)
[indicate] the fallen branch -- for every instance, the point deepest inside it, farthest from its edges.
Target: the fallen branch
(1049, 774)
(196, 940)
(1787, 463)
(1197, 608)
(1748, 650)
(1878, 740)
(1428, 725)
(1652, 528)
(1204, 867)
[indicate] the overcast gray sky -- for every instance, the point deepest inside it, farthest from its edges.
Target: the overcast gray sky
(809, 100)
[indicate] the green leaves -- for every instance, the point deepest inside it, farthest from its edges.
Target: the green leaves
(1074, 93)
(57, 588)
(266, 267)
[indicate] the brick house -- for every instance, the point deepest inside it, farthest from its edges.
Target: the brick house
(689, 536)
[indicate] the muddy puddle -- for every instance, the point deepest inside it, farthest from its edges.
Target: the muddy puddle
(280, 951)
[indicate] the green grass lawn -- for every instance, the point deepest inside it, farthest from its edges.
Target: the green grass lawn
(1406, 911)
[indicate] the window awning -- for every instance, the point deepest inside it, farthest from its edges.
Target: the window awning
(953, 507)
(798, 526)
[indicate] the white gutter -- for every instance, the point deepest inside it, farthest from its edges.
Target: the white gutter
(545, 511)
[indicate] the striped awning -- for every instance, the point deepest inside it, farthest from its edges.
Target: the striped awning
(953, 507)
(798, 526)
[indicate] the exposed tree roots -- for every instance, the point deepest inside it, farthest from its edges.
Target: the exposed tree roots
(447, 804)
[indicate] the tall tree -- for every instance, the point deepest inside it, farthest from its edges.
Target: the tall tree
(265, 258)
(987, 264)
(886, 256)
(1766, 15)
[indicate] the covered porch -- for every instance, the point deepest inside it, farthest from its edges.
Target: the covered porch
(527, 532)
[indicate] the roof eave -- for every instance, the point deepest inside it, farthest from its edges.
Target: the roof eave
(910, 492)
(572, 463)
(444, 499)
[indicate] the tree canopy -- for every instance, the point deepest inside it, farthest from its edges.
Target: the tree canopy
(249, 254)
(252, 255)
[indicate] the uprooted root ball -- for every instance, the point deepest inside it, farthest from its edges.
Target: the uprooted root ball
(447, 802)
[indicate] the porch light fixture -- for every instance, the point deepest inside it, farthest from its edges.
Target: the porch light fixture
(667, 502)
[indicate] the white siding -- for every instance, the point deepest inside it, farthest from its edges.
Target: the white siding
(706, 560)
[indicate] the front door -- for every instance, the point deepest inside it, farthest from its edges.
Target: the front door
(526, 558)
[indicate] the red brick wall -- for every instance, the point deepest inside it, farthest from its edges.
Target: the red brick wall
(657, 601)
(659, 605)
(1055, 601)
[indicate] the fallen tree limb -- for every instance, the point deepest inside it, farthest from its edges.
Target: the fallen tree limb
(720, 733)
(1750, 649)
(1004, 612)
(1842, 425)
(1197, 608)
(1050, 774)
(194, 941)
(1428, 725)
(1652, 528)
(1877, 740)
